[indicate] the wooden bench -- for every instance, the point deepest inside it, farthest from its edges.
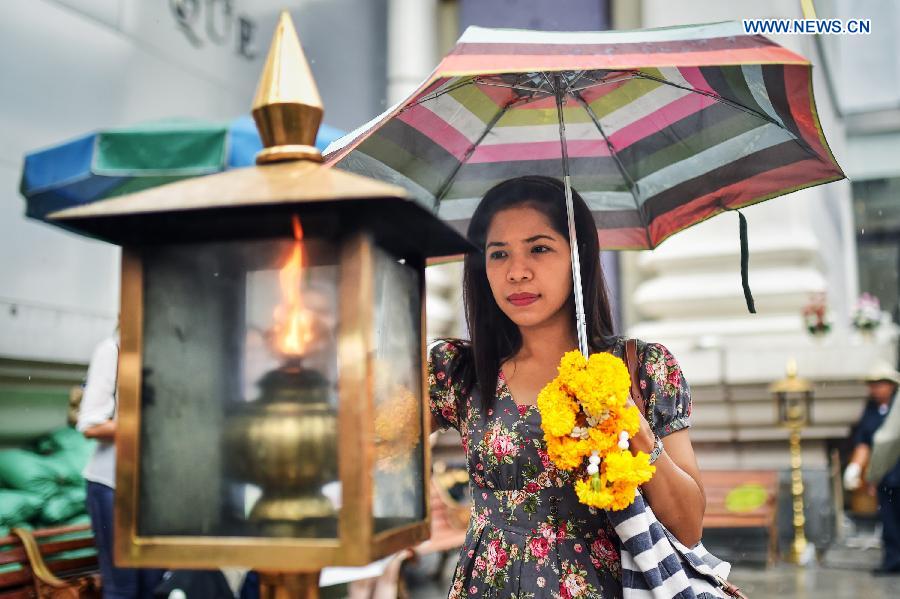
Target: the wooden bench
(743, 499)
(41, 564)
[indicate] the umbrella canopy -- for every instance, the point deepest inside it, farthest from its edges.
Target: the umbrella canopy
(657, 129)
(118, 161)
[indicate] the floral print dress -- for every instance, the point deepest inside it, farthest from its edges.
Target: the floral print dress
(528, 535)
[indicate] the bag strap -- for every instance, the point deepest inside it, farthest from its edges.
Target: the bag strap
(730, 589)
(633, 364)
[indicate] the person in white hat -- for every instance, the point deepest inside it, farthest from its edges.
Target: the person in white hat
(883, 382)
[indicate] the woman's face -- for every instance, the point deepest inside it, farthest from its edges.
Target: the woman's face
(528, 266)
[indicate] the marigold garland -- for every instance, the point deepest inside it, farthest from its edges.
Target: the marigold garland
(585, 416)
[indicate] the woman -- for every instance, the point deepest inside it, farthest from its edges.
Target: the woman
(529, 536)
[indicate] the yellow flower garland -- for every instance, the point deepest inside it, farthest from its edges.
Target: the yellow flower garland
(584, 410)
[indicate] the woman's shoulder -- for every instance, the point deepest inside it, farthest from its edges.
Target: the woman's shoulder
(451, 357)
(449, 350)
(646, 350)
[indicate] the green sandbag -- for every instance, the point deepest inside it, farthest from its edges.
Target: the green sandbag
(26, 471)
(18, 506)
(65, 439)
(68, 470)
(69, 445)
(79, 519)
(65, 505)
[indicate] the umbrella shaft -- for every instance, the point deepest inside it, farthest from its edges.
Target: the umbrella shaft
(580, 322)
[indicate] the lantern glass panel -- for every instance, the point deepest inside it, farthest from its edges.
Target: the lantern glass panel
(238, 390)
(398, 475)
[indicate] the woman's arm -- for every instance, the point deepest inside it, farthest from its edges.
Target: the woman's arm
(105, 431)
(675, 492)
(435, 425)
(98, 404)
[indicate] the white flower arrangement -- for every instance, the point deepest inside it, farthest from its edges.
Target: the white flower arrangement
(867, 314)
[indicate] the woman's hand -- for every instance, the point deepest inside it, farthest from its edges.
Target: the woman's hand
(644, 440)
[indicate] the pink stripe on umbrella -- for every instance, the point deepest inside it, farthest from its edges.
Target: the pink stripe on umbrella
(660, 119)
(437, 130)
(543, 150)
(695, 77)
(456, 64)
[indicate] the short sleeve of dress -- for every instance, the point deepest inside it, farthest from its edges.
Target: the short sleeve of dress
(444, 393)
(665, 390)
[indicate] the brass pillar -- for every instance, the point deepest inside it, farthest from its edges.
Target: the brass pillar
(798, 546)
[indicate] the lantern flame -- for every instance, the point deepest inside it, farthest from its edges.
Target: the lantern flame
(293, 322)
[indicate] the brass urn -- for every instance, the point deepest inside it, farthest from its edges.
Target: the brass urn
(285, 442)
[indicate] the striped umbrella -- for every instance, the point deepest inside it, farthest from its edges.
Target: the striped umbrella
(657, 129)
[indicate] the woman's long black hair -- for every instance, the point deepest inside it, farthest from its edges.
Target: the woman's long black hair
(494, 337)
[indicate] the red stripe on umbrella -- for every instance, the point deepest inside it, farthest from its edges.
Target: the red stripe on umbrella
(738, 195)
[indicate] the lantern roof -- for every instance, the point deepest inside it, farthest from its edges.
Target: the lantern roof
(289, 177)
(791, 383)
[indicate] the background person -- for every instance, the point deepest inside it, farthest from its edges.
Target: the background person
(883, 382)
(97, 420)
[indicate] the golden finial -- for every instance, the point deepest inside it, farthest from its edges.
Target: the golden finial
(791, 369)
(287, 107)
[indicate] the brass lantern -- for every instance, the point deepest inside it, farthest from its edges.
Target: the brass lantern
(271, 380)
(793, 397)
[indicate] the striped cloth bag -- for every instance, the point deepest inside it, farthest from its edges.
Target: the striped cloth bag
(656, 566)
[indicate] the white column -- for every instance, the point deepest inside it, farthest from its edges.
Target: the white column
(412, 56)
(412, 45)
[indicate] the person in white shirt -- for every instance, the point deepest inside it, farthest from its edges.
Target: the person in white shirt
(97, 420)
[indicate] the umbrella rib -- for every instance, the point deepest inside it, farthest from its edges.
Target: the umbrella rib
(632, 184)
(571, 82)
(445, 186)
(438, 94)
(596, 83)
(549, 82)
(518, 87)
